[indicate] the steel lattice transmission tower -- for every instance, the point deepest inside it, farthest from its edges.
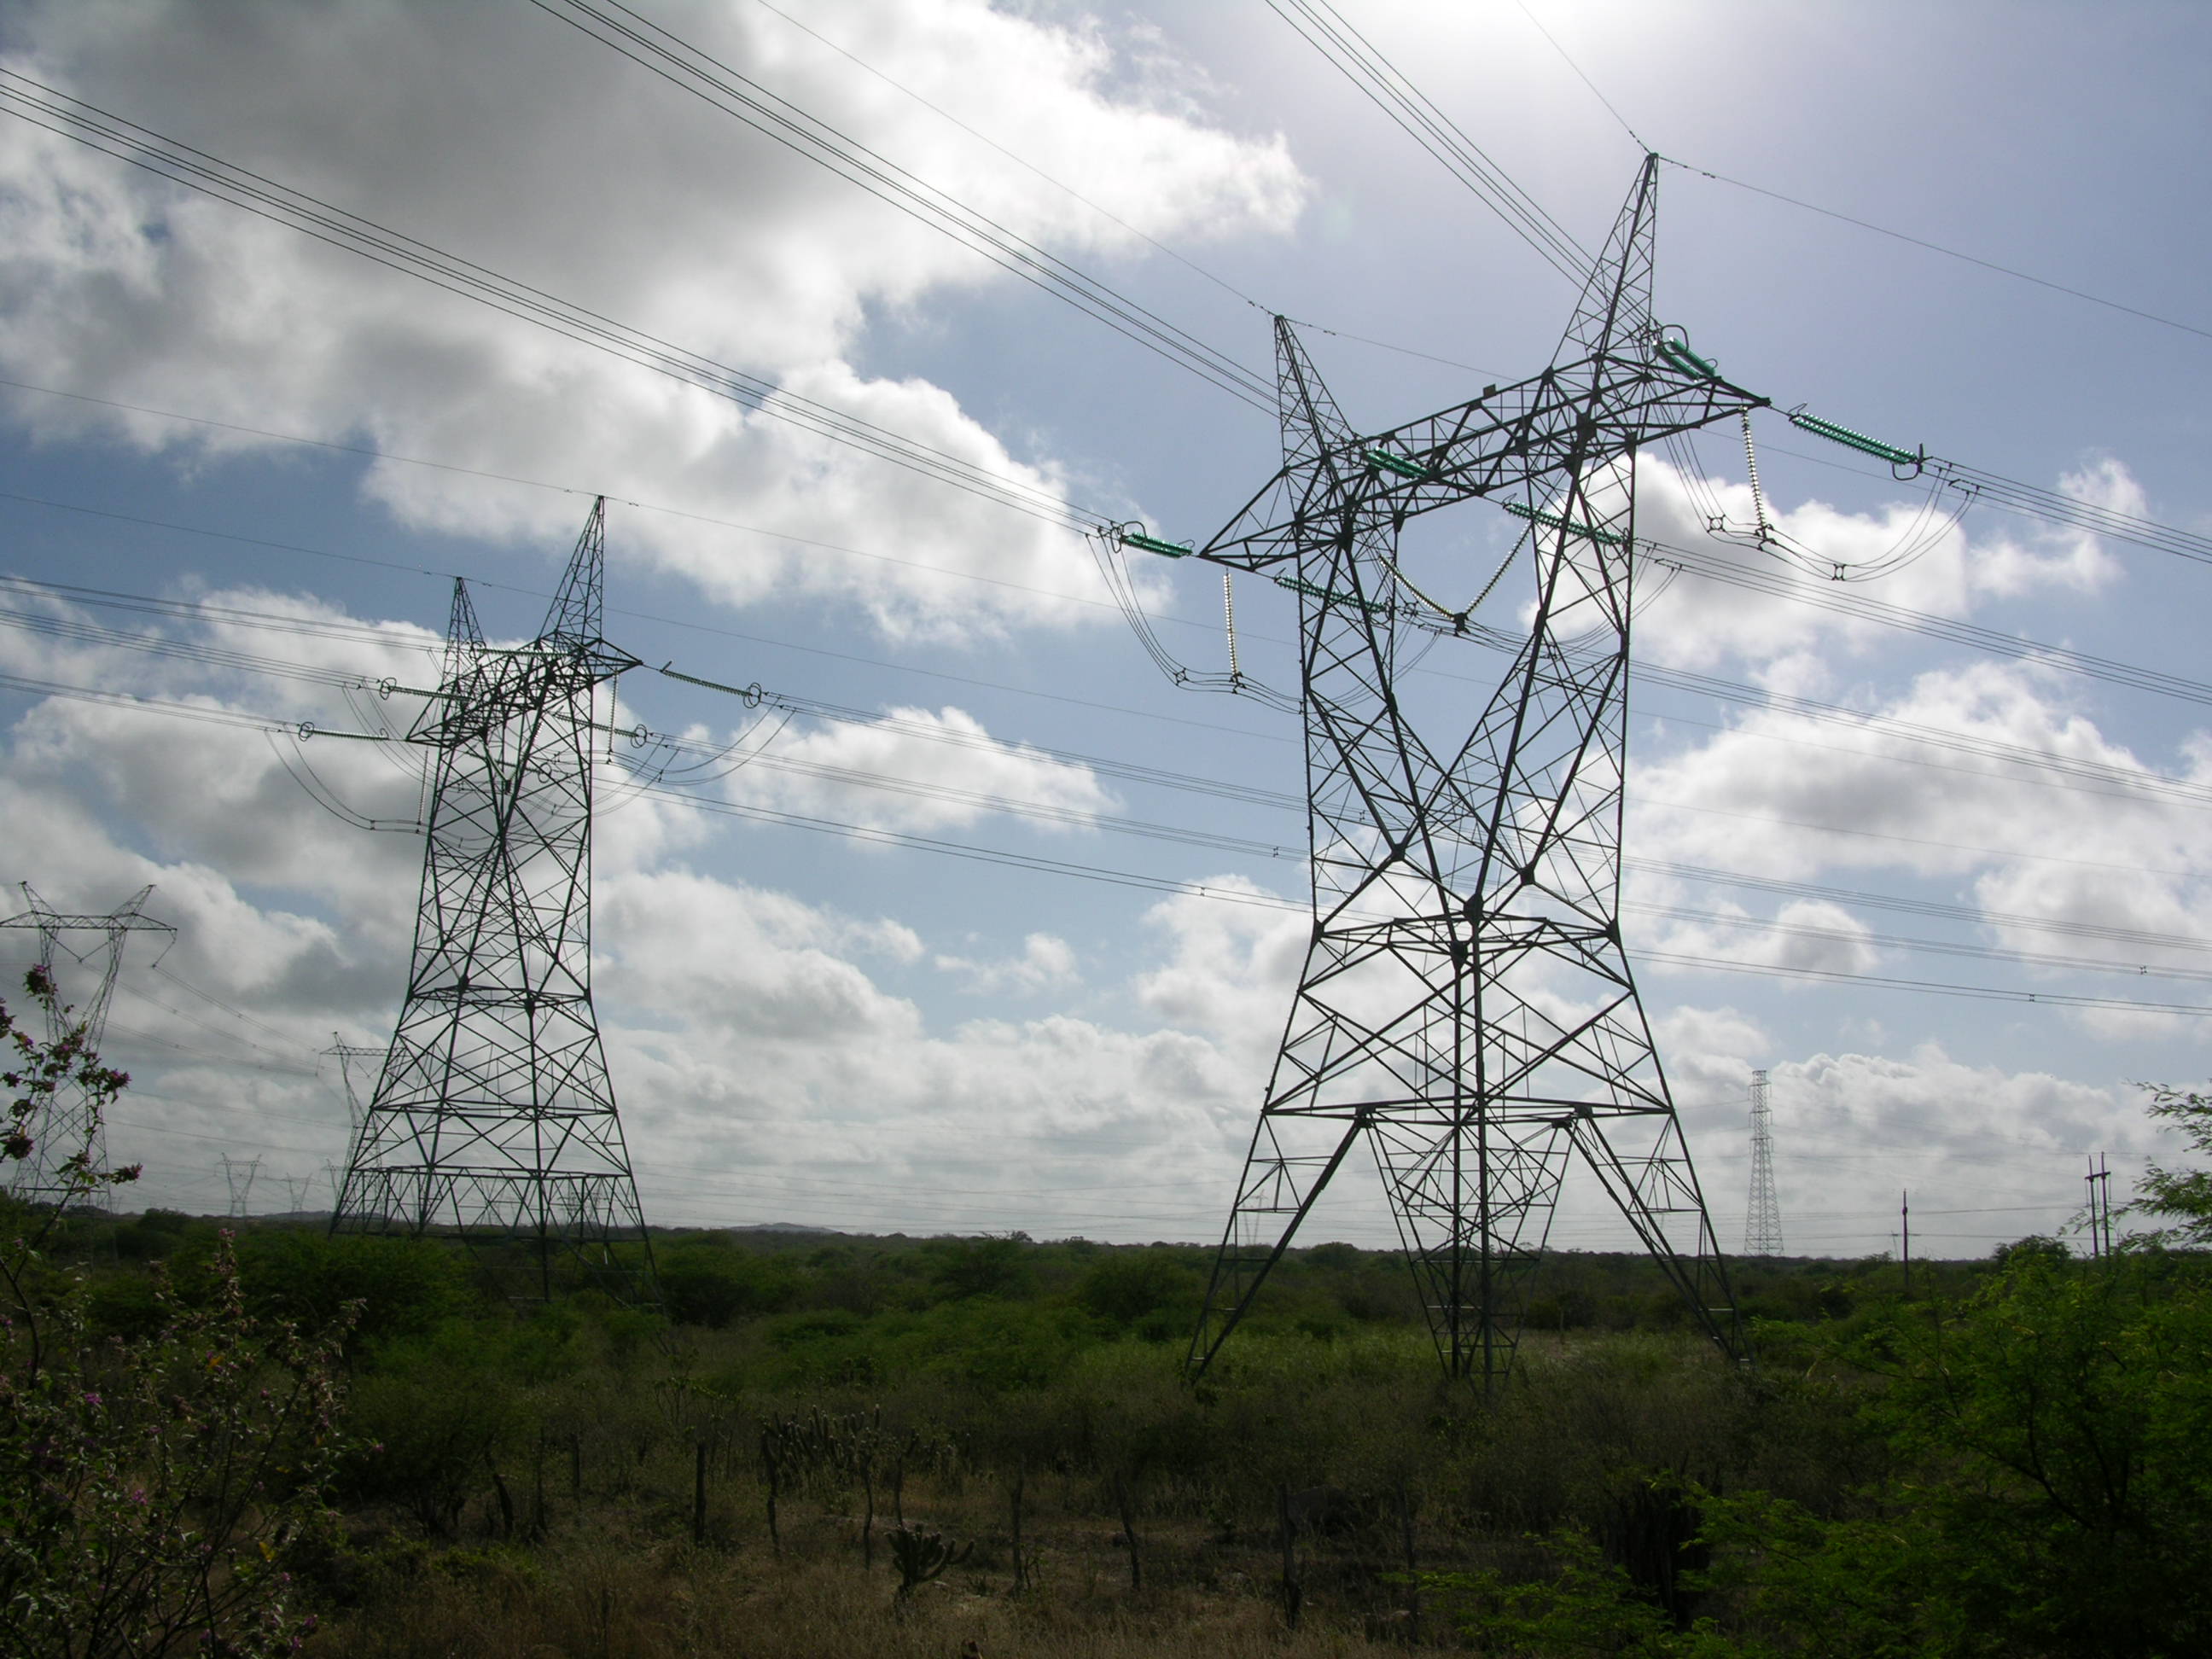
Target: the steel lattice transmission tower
(238, 1175)
(346, 1054)
(69, 1125)
(492, 1115)
(1762, 1220)
(1466, 1004)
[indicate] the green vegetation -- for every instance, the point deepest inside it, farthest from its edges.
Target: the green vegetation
(842, 1445)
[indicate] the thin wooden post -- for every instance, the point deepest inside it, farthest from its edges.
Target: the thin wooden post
(538, 1490)
(1413, 1578)
(699, 1495)
(1129, 1533)
(773, 1476)
(1021, 1562)
(868, 1518)
(1293, 1592)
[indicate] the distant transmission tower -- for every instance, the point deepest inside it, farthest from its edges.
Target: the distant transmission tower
(493, 1116)
(1466, 1004)
(238, 1175)
(68, 1125)
(1762, 1222)
(348, 1054)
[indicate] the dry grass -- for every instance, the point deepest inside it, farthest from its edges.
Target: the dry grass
(611, 1586)
(605, 1602)
(616, 1575)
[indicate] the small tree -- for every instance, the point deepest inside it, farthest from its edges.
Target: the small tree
(2184, 1193)
(153, 1492)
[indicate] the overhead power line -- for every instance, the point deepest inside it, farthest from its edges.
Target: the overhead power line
(2012, 272)
(677, 61)
(86, 123)
(1084, 870)
(2055, 771)
(985, 138)
(1326, 29)
(933, 732)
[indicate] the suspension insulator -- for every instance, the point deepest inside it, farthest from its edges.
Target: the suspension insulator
(1554, 521)
(1329, 595)
(1858, 441)
(1678, 353)
(1154, 544)
(1397, 464)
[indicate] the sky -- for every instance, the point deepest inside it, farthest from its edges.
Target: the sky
(1026, 964)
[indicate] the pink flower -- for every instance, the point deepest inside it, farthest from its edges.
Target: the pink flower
(92, 1400)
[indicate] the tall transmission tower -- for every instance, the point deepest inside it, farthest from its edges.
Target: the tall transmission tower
(1466, 1006)
(493, 1116)
(69, 1125)
(1762, 1220)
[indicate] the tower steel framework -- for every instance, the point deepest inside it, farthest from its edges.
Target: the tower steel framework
(68, 1125)
(493, 1116)
(1466, 1004)
(1762, 1220)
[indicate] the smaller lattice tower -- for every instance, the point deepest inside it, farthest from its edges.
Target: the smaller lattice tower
(238, 1174)
(1762, 1224)
(493, 1119)
(69, 1125)
(348, 1054)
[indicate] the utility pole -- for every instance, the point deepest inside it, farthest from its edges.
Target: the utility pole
(68, 1125)
(494, 1118)
(1904, 1226)
(1762, 1226)
(2099, 1180)
(1466, 1007)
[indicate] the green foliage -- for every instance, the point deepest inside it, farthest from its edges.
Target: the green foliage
(1149, 1290)
(1577, 1603)
(163, 1462)
(1883, 1583)
(155, 1235)
(2057, 1422)
(155, 1490)
(713, 1285)
(436, 1413)
(42, 1074)
(402, 1286)
(2184, 1193)
(964, 1268)
(920, 1555)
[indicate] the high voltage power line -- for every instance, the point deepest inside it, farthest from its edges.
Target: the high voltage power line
(2077, 776)
(677, 61)
(86, 123)
(323, 629)
(1705, 565)
(1323, 27)
(96, 129)
(1172, 886)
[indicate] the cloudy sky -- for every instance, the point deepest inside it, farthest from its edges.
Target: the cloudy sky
(1025, 964)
